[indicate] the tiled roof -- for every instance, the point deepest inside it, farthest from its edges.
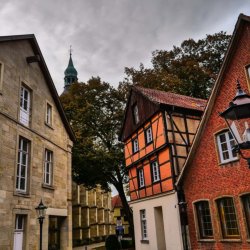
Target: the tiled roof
(116, 201)
(172, 99)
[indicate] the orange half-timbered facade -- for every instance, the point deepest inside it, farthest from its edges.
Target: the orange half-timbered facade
(157, 132)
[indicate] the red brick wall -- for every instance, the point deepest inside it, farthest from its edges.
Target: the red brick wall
(205, 178)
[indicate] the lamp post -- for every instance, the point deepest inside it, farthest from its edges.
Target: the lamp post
(237, 117)
(41, 211)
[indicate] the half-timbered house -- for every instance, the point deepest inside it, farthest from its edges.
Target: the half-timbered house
(215, 178)
(157, 132)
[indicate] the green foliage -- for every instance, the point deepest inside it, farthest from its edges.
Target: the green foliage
(112, 243)
(190, 69)
(95, 111)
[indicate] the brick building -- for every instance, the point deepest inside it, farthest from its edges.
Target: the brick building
(157, 132)
(215, 178)
(35, 150)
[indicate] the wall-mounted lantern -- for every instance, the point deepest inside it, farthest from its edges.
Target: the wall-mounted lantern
(237, 118)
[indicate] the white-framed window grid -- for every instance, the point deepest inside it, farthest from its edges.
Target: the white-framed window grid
(141, 178)
(135, 145)
(24, 117)
(226, 143)
(22, 165)
(149, 135)
(48, 167)
(144, 230)
(155, 171)
(48, 114)
(136, 114)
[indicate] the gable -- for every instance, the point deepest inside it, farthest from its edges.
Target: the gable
(146, 109)
(36, 55)
(233, 69)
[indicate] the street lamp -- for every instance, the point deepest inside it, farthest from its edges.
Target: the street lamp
(237, 117)
(41, 211)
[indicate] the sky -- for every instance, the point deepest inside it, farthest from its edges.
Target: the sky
(108, 35)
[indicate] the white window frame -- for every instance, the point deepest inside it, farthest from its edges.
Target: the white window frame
(155, 171)
(229, 149)
(144, 229)
(22, 165)
(136, 114)
(48, 114)
(135, 145)
(24, 116)
(149, 135)
(48, 167)
(141, 178)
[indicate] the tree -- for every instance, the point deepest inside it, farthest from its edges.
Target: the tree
(95, 111)
(190, 69)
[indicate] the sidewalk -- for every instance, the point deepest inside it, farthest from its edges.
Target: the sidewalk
(90, 247)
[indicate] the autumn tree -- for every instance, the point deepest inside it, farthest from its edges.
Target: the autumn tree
(95, 111)
(189, 69)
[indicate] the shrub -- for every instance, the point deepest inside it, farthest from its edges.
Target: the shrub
(112, 243)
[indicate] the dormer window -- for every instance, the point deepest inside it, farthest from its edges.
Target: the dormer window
(135, 145)
(136, 114)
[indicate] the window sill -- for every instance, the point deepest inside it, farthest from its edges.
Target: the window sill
(228, 162)
(207, 240)
(48, 186)
(231, 240)
(48, 125)
(20, 194)
(145, 241)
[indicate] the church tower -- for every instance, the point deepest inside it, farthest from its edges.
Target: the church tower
(70, 73)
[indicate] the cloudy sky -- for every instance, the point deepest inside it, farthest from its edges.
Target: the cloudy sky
(108, 35)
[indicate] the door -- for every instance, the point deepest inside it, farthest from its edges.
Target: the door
(19, 232)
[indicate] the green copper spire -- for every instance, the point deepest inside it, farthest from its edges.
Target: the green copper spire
(70, 73)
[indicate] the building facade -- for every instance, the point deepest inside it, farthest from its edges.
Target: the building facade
(215, 178)
(157, 132)
(35, 150)
(120, 219)
(92, 215)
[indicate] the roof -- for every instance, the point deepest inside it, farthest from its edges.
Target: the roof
(172, 99)
(233, 44)
(32, 39)
(116, 202)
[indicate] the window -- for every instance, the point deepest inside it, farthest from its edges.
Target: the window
(136, 114)
(22, 165)
(155, 171)
(24, 106)
(49, 114)
(48, 167)
(248, 71)
(204, 219)
(246, 206)
(226, 143)
(228, 220)
(135, 145)
(148, 135)
(141, 178)
(144, 231)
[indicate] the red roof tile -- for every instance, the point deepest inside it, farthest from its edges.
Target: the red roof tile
(116, 201)
(172, 99)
